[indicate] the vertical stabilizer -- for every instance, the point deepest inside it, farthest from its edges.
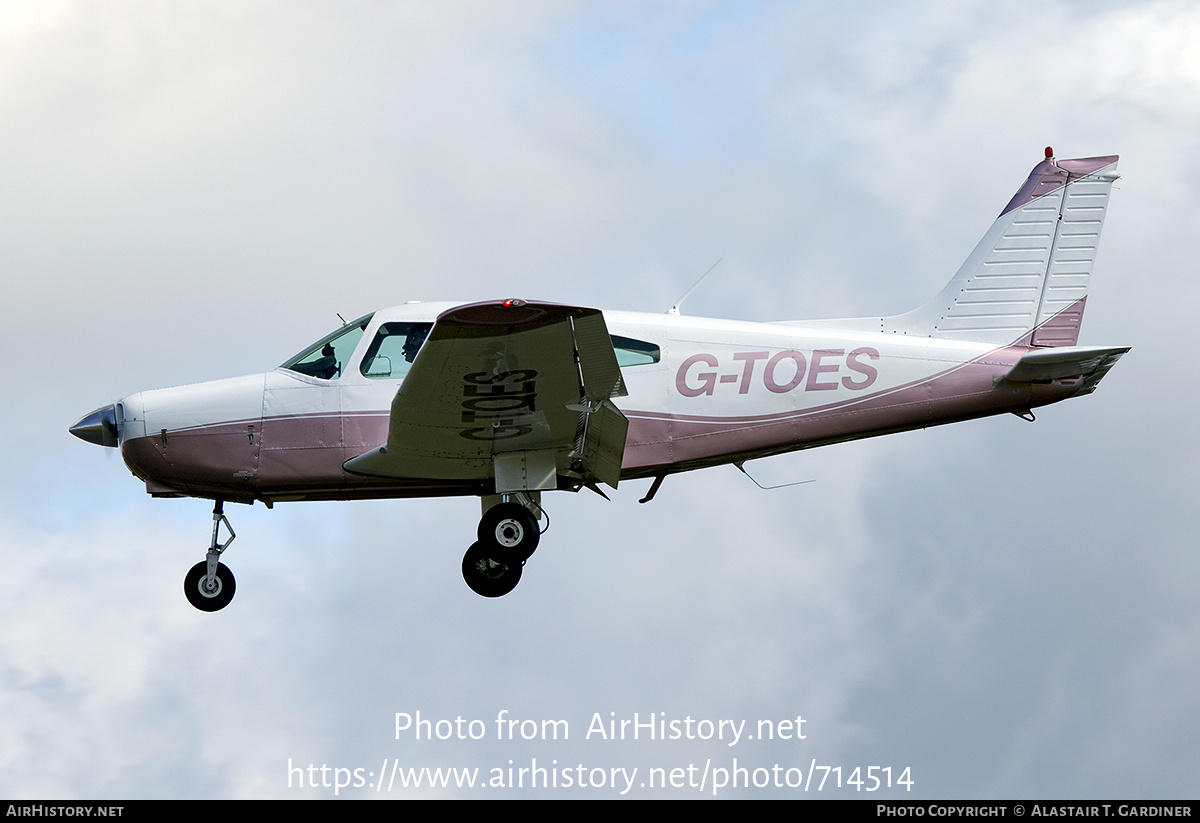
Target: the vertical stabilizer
(1027, 279)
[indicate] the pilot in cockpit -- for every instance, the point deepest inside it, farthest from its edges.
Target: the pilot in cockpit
(415, 339)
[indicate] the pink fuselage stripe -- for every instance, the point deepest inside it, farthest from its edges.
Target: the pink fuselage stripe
(305, 454)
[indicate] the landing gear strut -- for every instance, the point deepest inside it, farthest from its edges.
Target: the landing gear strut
(209, 585)
(508, 535)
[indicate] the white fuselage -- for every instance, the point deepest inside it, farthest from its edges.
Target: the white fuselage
(715, 391)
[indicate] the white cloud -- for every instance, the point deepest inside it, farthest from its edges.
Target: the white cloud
(190, 194)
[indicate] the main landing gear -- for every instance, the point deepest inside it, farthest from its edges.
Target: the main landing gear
(209, 586)
(508, 535)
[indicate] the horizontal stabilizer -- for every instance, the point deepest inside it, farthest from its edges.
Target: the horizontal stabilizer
(1044, 365)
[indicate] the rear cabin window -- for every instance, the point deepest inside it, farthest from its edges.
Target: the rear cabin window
(632, 352)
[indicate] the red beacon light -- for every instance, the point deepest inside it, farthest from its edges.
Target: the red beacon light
(513, 303)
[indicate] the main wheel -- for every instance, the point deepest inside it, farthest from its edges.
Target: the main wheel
(209, 600)
(511, 529)
(488, 577)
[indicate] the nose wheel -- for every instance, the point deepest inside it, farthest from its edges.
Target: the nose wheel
(206, 595)
(209, 585)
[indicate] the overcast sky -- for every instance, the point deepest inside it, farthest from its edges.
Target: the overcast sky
(190, 191)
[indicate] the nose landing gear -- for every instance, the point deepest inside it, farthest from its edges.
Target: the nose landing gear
(209, 585)
(205, 595)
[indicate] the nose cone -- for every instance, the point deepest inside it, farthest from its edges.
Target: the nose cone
(99, 427)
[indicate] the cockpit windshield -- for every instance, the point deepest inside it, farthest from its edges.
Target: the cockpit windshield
(327, 357)
(393, 350)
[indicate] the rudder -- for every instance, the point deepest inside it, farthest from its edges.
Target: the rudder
(1026, 282)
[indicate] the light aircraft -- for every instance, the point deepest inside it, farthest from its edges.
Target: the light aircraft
(507, 399)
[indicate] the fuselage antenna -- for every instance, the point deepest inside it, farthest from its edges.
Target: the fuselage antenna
(741, 465)
(675, 309)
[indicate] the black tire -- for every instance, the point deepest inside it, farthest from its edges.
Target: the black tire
(486, 576)
(510, 530)
(193, 587)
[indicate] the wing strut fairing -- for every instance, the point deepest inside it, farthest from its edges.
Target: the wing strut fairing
(510, 391)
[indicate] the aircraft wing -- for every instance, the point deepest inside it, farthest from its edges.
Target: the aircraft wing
(1066, 361)
(509, 389)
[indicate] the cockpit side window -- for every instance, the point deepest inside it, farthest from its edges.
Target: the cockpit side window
(631, 352)
(393, 350)
(327, 357)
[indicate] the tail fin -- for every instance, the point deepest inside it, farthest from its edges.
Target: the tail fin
(1027, 280)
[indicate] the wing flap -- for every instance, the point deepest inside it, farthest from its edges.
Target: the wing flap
(597, 359)
(603, 452)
